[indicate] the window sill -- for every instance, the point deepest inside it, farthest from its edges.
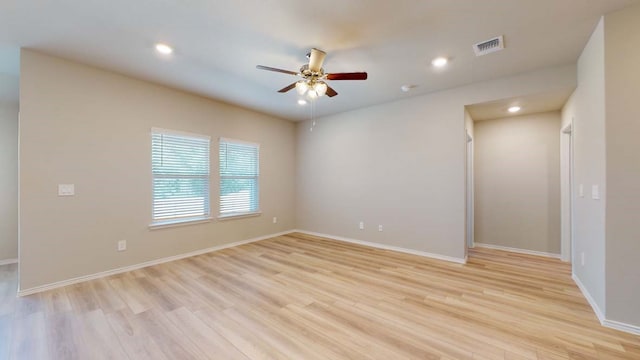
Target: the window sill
(239, 216)
(175, 223)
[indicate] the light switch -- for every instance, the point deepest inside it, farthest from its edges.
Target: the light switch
(581, 190)
(595, 192)
(66, 190)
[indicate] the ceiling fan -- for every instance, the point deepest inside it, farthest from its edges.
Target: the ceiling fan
(313, 76)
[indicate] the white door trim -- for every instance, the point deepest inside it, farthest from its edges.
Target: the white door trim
(566, 192)
(469, 191)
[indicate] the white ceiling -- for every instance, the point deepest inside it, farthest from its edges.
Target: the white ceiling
(218, 43)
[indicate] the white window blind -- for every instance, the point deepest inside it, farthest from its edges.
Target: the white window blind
(239, 173)
(180, 168)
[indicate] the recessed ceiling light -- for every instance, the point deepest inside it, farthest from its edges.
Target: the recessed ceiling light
(514, 109)
(439, 61)
(164, 49)
(302, 102)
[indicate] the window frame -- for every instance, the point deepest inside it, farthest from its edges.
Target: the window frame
(237, 215)
(206, 217)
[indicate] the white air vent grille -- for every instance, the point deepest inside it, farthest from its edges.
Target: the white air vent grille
(489, 46)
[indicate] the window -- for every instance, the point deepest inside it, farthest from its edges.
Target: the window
(239, 165)
(180, 169)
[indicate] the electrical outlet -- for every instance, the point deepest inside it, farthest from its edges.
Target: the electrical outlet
(361, 225)
(66, 190)
(379, 227)
(275, 220)
(122, 245)
(582, 258)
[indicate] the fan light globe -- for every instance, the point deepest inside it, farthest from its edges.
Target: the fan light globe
(320, 88)
(302, 87)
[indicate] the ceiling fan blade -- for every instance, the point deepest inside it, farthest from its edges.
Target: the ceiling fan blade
(261, 67)
(316, 59)
(287, 88)
(330, 92)
(347, 76)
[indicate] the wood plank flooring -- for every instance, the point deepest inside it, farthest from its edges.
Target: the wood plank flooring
(304, 297)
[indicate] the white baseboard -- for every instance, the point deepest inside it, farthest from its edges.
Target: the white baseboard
(590, 300)
(632, 329)
(515, 250)
(616, 325)
(387, 247)
(101, 274)
(8, 261)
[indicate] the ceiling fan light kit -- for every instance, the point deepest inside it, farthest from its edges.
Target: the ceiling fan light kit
(313, 77)
(312, 88)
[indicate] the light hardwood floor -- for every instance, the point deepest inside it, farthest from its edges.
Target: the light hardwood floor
(303, 297)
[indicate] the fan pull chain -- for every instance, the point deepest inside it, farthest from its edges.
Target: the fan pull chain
(313, 121)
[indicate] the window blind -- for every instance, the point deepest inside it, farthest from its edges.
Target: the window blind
(239, 173)
(180, 169)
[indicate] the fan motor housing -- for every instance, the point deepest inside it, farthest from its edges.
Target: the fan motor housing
(310, 75)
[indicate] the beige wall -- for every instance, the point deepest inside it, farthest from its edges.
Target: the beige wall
(517, 182)
(622, 69)
(400, 165)
(8, 181)
(605, 127)
(589, 167)
(91, 127)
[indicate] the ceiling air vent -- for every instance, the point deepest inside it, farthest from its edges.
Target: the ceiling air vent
(489, 46)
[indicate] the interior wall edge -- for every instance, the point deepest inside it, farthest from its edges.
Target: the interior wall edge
(612, 324)
(588, 297)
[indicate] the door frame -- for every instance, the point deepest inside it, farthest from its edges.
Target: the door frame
(469, 192)
(566, 192)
